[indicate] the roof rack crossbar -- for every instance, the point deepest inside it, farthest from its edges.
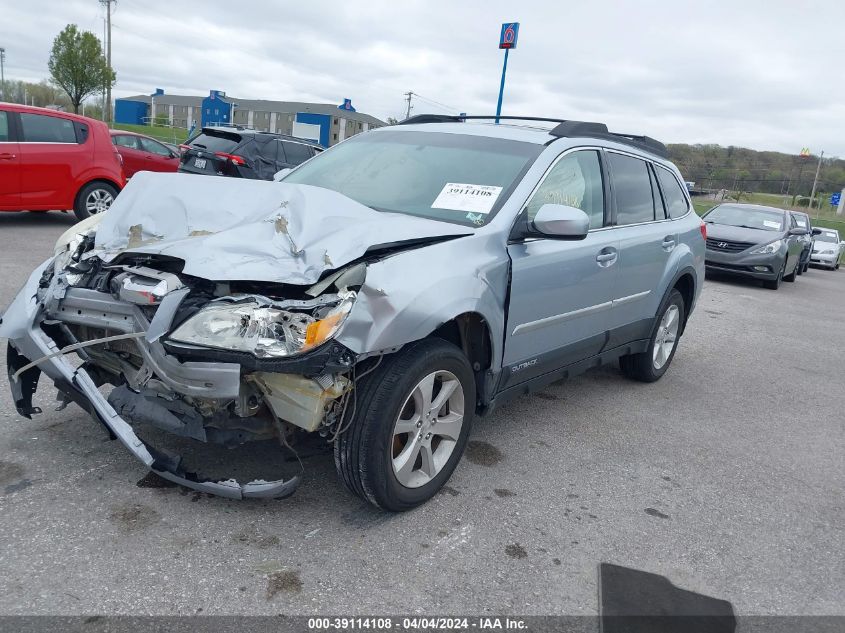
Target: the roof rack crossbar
(564, 129)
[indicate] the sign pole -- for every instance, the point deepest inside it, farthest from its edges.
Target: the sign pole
(507, 40)
(502, 86)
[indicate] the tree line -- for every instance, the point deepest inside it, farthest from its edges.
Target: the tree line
(742, 169)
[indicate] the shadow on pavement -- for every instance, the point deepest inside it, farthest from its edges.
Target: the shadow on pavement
(636, 601)
(36, 218)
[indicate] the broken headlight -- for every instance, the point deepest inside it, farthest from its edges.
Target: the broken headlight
(265, 331)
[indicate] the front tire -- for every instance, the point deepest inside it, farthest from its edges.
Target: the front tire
(651, 364)
(791, 277)
(94, 198)
(412, 421)
(774, 284)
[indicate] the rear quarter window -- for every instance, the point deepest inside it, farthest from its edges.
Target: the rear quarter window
(673, 195)
(41, 128)
(296, 152)
(632, 188)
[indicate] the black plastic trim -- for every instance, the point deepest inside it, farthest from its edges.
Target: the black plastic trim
(329, 358)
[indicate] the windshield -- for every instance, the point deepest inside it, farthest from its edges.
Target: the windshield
(449, 177)
(747, 217)
(828, 236)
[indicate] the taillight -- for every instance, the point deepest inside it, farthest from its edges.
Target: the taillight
(237, 160)
(119, 157)
(184, 148)
(703, 230)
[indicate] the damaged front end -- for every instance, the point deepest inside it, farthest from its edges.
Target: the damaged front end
(218, 362)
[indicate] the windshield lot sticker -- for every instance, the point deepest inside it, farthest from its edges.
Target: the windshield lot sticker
(771, 225)
(476, 218)
(463, 197)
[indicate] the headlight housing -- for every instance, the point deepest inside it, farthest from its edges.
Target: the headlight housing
(263, 330)
(829, 251)
(766, 249)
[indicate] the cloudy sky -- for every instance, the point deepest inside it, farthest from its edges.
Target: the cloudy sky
(760, 74)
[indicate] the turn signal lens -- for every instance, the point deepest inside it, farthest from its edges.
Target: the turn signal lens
(320, 331)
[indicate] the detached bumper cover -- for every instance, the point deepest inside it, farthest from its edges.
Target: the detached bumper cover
(27, 341)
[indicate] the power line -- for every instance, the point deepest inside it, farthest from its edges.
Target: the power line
(437, 103)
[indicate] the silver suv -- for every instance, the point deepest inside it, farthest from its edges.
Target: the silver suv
(381, 295)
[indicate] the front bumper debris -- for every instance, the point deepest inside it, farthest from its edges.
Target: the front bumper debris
(28, 342)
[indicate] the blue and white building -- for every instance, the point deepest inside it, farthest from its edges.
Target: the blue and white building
(324, 123)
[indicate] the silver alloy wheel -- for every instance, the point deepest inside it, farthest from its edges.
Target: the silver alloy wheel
(427, 429)
(98, 201)
(667, 334)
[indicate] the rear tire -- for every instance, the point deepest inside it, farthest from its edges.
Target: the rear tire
(95, 197)
(651, 364)
(373, 457)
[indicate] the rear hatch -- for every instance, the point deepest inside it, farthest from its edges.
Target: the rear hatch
(214, 153)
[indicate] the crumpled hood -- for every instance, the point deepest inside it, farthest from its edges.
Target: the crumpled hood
(228, 229)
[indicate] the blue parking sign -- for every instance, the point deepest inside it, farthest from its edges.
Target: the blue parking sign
(835, 198)
(510, 32)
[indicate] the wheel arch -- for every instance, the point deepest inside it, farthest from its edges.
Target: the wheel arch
(471, 332)
(685, 283)
(90, 181)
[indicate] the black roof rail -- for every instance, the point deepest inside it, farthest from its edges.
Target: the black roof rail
(564, 129)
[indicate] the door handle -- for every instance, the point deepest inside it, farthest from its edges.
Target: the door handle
(6, 156)
(606, 257)
(668, 243)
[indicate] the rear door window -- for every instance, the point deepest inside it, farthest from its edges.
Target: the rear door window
(40, 128)
(216, 143)
(673, 195)
(660, 211)
(296, 152)
(632, 189)
(125, 140)
(4, 126)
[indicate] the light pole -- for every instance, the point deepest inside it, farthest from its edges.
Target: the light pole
(2, 74)
(816, 179)
(507, 41)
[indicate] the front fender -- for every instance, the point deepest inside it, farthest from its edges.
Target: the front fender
(406, 297)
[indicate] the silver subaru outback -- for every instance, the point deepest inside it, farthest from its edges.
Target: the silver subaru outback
(382, 295)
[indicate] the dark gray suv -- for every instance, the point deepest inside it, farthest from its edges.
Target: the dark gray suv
(382, 295)
(754, 241)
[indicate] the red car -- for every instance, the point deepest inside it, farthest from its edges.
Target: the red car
(142, 153)
(56, 160)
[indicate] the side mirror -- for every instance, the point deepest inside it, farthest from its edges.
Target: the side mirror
(281, 174)
(817, 231)
(798, 231)
(562, 222)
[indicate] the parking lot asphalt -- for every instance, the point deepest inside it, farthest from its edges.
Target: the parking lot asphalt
(726, 477)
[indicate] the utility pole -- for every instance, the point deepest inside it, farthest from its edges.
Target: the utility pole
(816, 180)
(408, 94)
(2, 74)
(107, 111)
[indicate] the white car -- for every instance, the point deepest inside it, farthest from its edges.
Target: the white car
(827, 249)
